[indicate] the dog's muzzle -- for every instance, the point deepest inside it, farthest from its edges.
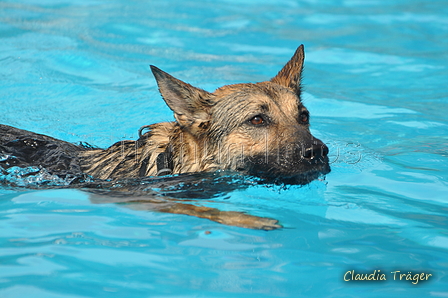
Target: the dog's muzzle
(316, 152)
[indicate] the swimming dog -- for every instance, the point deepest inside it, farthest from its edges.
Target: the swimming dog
(258, 129)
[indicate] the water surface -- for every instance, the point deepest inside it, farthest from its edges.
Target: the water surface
(375, 84)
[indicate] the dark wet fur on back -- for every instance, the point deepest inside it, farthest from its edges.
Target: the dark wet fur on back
(23, 149)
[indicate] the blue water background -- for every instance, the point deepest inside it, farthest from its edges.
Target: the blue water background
(375, 82)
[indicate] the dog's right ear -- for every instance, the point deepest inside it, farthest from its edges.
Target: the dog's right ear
(190, 105)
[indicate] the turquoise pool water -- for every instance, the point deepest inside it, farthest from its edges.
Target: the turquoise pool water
(375, 83)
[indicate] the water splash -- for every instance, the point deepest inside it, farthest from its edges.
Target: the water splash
(35, 177)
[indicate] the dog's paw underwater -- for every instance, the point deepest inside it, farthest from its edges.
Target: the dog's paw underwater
(255, 129)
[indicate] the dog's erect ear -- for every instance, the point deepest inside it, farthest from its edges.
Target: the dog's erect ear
(190, 104)
(291, 73)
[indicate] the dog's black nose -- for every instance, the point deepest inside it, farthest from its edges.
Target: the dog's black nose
(317, 151)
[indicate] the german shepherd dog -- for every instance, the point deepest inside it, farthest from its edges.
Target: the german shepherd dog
(259, 129)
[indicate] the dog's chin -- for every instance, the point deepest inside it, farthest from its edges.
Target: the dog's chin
(296, 179)
(299, 174)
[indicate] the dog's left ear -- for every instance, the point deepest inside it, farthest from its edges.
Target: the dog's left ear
(291, 73)
(190, 104)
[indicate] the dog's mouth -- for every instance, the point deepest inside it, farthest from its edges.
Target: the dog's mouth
(297, 165)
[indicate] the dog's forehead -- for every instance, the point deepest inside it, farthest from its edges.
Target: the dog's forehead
(264, 94)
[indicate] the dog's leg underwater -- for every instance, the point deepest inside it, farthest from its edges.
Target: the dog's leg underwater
(174, 206)
(230, 218)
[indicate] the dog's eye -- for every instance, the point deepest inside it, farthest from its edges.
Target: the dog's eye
(304, 118)
(257, 120)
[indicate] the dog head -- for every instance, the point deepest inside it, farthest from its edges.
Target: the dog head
(260, 129)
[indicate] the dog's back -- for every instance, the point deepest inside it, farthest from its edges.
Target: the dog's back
(21, 148)
(126, 159)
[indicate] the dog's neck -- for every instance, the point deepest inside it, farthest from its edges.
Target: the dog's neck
(189, 152)
(168, 148)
